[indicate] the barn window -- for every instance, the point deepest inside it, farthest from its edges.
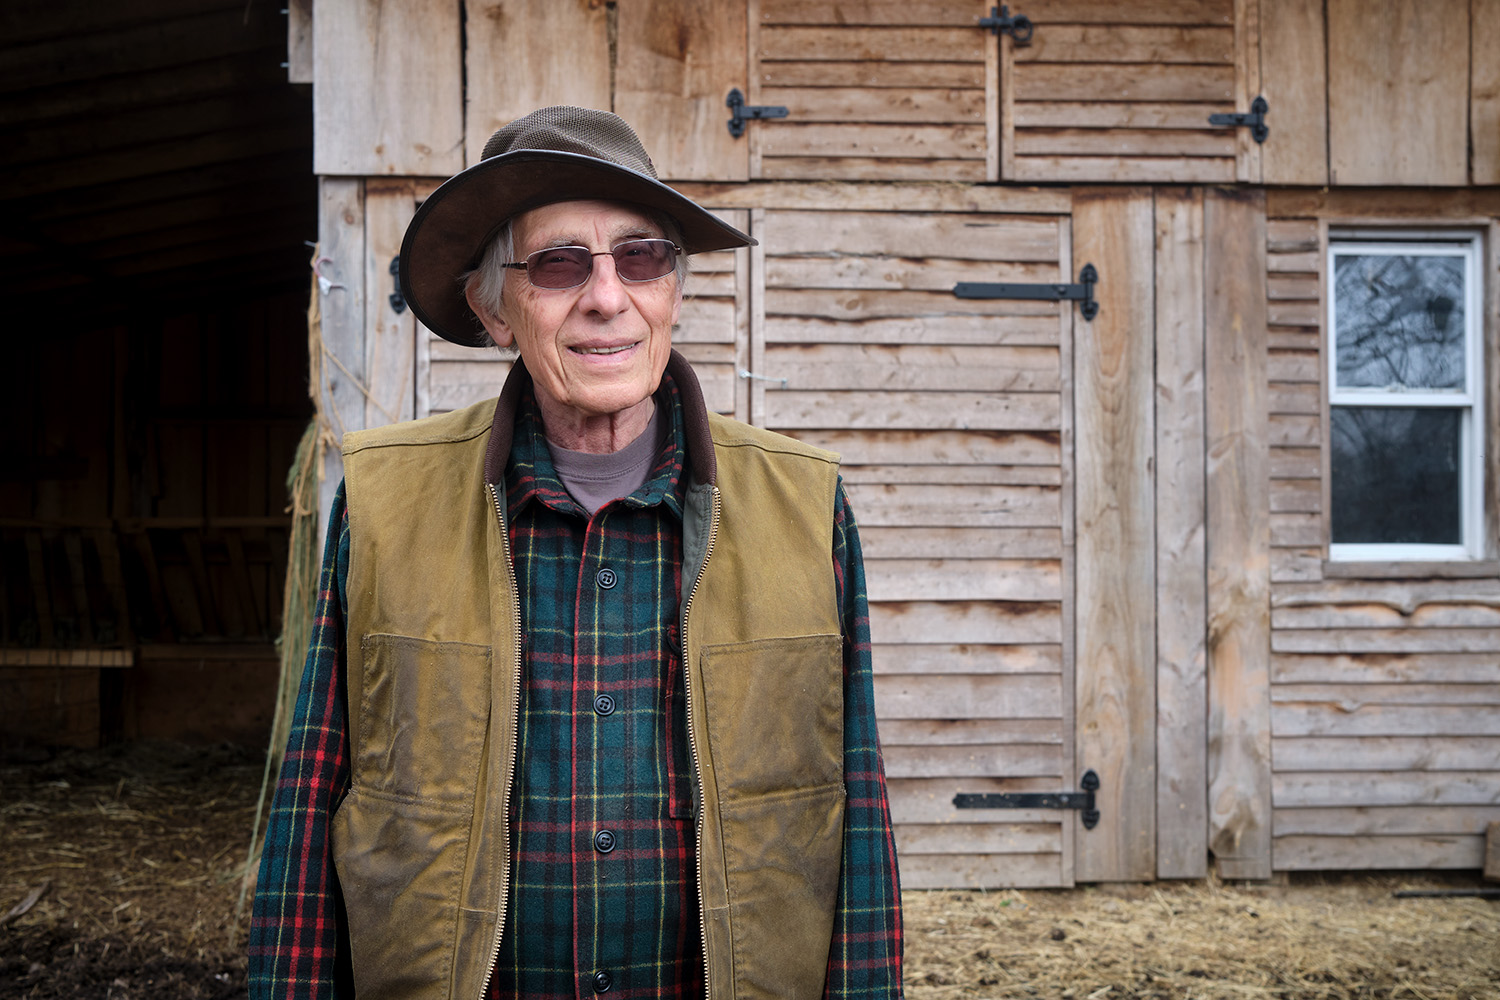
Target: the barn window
(1405, 428)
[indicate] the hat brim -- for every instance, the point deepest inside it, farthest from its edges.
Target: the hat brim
(447, 233)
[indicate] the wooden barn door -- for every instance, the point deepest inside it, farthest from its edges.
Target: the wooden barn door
(953, 419)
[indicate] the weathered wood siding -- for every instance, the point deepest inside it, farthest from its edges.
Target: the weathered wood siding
(1089, 545)
(875, 90)
(1112, 92)
(1384, 681)
(950, 416)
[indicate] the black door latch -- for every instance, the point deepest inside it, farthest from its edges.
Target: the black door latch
(742, 112)
(1255, 119)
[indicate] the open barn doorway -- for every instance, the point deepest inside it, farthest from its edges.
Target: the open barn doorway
(155, 275)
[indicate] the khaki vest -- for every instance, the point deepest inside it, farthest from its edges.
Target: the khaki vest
(433, 680)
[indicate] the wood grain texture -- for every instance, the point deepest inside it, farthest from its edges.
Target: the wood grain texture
(339, 363)
(299, 47)
(387, 88)
(1398, 92)
(1181, 625)
(390, 336)
(1115, 700)
(1294, 80)
(522, 56)
(1238, 541)
(1484, 92)
(677, 63)
(1367, 853)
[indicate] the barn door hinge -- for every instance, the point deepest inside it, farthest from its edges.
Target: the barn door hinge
(741, 112)
(1083, 292)
(398, 301)
(1019, 27)
(1256, 119)
(1082, 801)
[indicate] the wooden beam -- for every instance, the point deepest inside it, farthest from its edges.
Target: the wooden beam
(1238, 535)
(1181, 657)
(1116, 608)
(1294, 80)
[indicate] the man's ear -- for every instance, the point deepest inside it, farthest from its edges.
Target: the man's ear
(494, 325)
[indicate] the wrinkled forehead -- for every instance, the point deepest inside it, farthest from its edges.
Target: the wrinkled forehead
(583, 221)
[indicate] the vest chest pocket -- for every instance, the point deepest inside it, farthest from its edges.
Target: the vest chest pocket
(775, 714)
(423, 714)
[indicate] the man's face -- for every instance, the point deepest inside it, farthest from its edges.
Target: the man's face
(597, 349)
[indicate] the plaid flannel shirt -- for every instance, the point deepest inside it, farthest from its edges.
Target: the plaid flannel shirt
(603, 840)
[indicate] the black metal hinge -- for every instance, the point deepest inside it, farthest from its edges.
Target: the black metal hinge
(1018, 27)
(1083, 292)
(398, 301)
(1256, 119)
(1082, 801)
(741, 112)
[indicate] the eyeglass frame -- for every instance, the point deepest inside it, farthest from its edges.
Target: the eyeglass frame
(526, 265)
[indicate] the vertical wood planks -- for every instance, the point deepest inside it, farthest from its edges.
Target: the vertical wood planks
(1484, 92)
(390, 337)
(677, 64)
(1116, 655)
(1181, 677)
(1398, 92)
(339, 363)
(387, 88)
(1294, 80)
(299, 47)
(523, 55)
(1238, 550)
(1247, 85)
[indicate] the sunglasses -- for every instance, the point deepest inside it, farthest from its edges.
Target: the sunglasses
(569, 267)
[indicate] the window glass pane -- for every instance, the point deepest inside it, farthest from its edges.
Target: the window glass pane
(1395, 475)
(1400, 320)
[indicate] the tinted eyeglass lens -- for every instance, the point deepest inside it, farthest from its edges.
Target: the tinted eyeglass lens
(643, 260)
(567, 267)
(559, 267)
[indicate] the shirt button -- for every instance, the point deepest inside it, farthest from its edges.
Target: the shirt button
(604, 841)
(606, 579)
(602, 981)
(604, 705)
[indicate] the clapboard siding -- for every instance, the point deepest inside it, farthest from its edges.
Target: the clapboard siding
(1295, 369)
(1123, 93)
(949, 417)
(874, 91)
(1385, 746)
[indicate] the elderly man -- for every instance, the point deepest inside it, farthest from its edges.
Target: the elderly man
(588, 708)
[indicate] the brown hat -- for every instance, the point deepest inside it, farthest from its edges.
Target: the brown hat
(553, 154)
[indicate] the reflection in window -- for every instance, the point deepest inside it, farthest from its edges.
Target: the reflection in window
(1404, 383)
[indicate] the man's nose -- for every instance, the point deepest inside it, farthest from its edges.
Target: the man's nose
(604, 292)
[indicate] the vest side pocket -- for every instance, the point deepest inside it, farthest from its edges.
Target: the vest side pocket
(422, 718)
(400, 837)
(776, 733)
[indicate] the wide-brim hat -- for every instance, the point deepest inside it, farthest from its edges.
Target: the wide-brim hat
(553, 154)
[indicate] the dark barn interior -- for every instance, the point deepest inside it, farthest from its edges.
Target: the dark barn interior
(156, 192)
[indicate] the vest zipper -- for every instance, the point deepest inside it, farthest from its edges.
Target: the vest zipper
(510, 773)
(687, 606)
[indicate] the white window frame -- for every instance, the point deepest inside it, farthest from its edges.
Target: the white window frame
(1468, 247)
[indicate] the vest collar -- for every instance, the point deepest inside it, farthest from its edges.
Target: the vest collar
(700, 447)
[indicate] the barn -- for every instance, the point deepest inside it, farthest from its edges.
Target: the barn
(1158, 340)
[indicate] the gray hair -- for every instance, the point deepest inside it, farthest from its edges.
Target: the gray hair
(487, 281)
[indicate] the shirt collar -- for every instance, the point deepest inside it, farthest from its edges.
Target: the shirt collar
(530, 475)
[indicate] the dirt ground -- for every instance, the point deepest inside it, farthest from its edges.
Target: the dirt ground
(138, 854)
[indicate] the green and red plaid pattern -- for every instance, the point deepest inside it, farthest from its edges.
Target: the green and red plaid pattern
(601, 597)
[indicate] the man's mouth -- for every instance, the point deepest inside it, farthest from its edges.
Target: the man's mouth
(603, 350)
